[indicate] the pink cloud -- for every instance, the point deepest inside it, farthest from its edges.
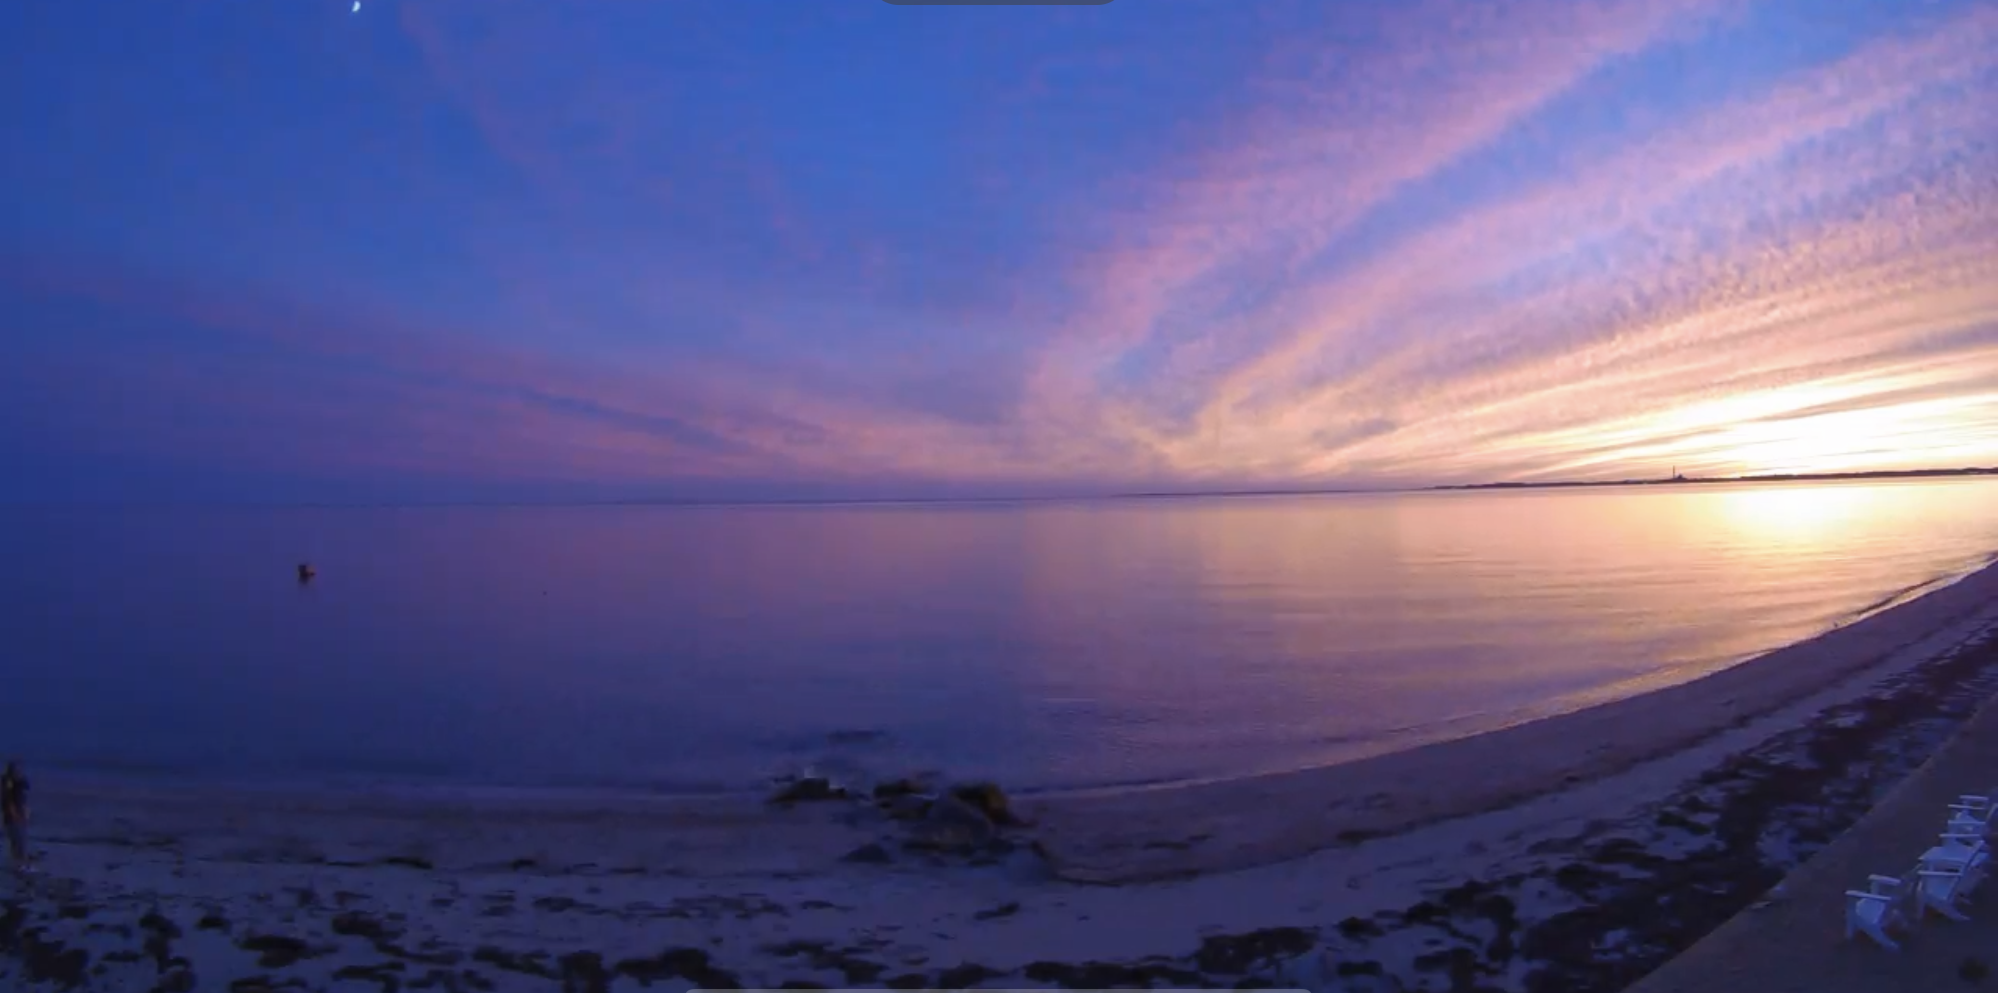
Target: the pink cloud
(1441, 289)
(1340, 133)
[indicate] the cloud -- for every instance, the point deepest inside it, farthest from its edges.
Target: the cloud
(1404, 248)
(260, 378)
(1743, 237)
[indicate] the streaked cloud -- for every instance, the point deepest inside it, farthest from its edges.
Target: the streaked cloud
(1324, 244)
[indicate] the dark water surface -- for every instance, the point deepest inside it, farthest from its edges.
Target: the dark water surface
(1048, 644)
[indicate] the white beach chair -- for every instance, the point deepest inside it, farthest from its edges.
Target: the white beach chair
(1878, 909)
(1955, 850)
(1967, 839)
(1940, 888)
(1966, 820)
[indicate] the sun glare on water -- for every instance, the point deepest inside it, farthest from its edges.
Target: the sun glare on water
(1797, 506)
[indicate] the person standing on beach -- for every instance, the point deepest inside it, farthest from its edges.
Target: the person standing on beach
(14, 812)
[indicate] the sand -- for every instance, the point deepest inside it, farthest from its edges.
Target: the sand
(1575, 853)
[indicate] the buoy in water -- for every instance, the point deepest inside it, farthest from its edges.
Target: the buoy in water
(306, 572)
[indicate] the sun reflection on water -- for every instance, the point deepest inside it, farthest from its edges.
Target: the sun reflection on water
(1801, 515)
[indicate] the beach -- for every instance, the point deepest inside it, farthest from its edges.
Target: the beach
(1573, 853)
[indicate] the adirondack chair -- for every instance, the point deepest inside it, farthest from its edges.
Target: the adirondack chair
(1968, 819)
(1878, 909)
(1966, 848)
(1940, 888)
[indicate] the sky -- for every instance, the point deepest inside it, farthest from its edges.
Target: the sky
(287, 250)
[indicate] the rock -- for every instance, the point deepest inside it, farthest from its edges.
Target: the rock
(952, 826)
(858, 971)
(987, 799)
(584, 971)
(353, 923)
(906, 807)
(935, 837)
(1973, 970)
(277, 951)
(1146, 974)
(904, 786)
(808, 788)
(951, 810)
(868, 854)
(1375, 980)
(533, 964)
(856, 736)
(1238, 953)
(154, 922)
(386, 976)
(1003, 910)
(964, 976)
(691, 964)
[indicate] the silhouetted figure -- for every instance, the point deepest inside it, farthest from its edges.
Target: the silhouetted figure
(306, 572)
(14, 812)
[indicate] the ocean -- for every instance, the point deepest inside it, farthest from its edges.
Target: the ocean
(1048, 645)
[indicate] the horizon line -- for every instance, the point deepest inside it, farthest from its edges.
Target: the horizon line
(1678, 480)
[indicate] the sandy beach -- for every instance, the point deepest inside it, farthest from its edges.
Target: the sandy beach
(1575, 853)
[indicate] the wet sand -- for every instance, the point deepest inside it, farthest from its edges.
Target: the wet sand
(1571, 854)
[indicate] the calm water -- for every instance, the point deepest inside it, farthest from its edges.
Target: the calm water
(1047, 644)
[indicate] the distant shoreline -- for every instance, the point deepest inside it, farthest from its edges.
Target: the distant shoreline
(1797, 477)
(889, 501)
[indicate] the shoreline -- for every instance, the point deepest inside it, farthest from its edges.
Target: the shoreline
(1389, 793)
(1519, 863)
